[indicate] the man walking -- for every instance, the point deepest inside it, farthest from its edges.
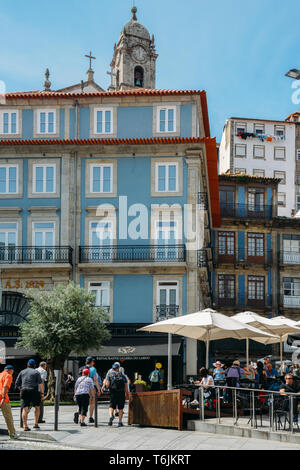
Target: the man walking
(29, 381)
(90, 364)
(118, 387)
(42, 369)
(155, 377)
(5, 384)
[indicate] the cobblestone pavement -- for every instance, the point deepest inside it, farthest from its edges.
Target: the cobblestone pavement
(133, 438)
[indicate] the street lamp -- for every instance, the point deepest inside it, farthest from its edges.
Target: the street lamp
(166, 313)
(293, 73)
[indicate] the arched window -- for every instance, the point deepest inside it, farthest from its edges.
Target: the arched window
(139, 77)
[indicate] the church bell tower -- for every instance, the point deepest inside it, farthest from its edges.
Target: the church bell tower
(134, 60)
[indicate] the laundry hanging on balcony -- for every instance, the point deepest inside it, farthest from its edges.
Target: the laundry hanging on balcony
(267, 137)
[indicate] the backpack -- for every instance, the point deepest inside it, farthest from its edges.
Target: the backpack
(154, 377)
(117, 383)
(81, 369)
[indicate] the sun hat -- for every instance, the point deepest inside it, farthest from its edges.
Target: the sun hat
(218, 363)
(236, 363)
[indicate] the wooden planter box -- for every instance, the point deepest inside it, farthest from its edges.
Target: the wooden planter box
(140, 388)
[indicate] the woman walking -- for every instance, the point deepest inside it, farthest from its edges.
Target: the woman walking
(82, 391)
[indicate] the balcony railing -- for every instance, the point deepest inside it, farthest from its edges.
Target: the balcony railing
(163, 312)
(291, 301)
(248, 211)
(290, 257)
(202, 259)
(132, 254)
(242, 256)
(35, 254)
(203, 201)
(264, 303)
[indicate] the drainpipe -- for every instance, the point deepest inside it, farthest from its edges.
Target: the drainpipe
(75, 193)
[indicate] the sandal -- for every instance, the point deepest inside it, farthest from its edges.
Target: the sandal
(26, 429)
(36, 426)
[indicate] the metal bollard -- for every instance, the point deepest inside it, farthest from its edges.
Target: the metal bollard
(271, 411)
(202, 404)
(235, 408)
(291, 399)
(96, 410)
(218, 407)
(21, 420)
(253, 411)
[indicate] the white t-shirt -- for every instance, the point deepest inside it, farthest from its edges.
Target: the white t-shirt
(207, 379)
(43, 373)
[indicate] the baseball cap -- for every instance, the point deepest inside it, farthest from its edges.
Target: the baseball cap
(31, 362)
(89, 359)
(116, 365)
(9, 367)
(86, 371)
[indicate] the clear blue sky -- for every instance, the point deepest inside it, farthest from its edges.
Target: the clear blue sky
(238, 52)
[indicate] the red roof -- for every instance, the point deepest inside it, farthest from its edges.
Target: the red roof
(135, 92)
(129, 141)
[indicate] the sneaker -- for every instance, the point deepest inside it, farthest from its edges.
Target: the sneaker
(76, 417)
(110, 421)
(83, 424)
(194, 402)
(120, 424)
(14, 436)
(91, 420)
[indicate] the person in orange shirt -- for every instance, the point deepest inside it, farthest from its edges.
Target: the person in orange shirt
(5, 384)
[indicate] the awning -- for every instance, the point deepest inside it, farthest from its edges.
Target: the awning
(134, 348)
(18, 353)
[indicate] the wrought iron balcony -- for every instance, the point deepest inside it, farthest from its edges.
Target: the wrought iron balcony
(202, 258)
(35, 254)
(234, 302)
(243, 256)
(247, 211)
(290, 257)
(164, 312)
(132, 254)
(203, 201)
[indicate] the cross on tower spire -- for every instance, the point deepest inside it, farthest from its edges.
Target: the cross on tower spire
(90, 57)
(90, 72)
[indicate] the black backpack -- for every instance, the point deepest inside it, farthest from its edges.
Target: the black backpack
(117, 383)
(81, 369)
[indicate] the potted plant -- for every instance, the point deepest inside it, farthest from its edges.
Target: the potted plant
(140, 386)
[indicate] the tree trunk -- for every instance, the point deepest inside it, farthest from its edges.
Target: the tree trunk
(56, 363)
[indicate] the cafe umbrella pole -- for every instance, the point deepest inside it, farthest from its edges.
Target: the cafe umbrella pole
(169, 361)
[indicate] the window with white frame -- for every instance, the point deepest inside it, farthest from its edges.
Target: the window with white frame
(166, 179)
(8, 240)
(101, 290)
(46, 121)
(43, 239)
(100, 241)
(298, 154)
(240, 171)
(280, 175)
(167, 237)
(240, 150)
(101, 177)
(279, 131)
(168, 299)
(298, 179)
(281, 199)
(44, 178)
(9, 122)
(291, 292)
(8, 179)
(258, 151)
(103, 121)
(166, 119)
(279, 153)
(240, 127)
(260, 173)
(259, 129)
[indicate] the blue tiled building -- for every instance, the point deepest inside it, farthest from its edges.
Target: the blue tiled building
(113, 190)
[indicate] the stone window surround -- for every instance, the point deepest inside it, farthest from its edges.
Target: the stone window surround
(48, 161)
(114, 119)
(36, 121)
(235, 150)
(258, 170)
(284, 176)
(42, 215)
(18, 111)
(88, 177)
(155, 127)
(236, 284)
(159, 212)
(95, 214)
(12, 219)
(89, 278)
(5, 162)
(170, 160)
(284, 200)
(259, 147)
(167, 278)
(279, 158)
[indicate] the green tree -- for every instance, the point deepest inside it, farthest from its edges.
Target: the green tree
(61, 321)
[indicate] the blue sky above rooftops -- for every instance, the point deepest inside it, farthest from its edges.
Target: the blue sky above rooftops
(237, 52)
